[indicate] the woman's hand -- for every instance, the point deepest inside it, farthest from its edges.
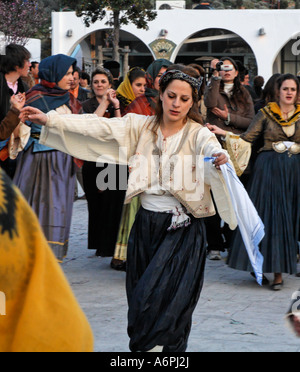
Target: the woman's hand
(33, 114)
(213, 65)
(112, 97)
(222, 114)
(221, 159)
(216, 130)
(18, 101)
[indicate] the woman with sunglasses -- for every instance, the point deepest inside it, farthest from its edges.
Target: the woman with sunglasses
(229, 107)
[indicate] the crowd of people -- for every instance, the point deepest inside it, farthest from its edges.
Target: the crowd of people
(60, 126)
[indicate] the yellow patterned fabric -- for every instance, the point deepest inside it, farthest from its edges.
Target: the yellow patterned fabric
(274, 112)
(239, 151)
(38, 311)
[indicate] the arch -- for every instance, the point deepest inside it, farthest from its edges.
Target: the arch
(287, 59)
(216, 42)
(101, 37)
(294, 36)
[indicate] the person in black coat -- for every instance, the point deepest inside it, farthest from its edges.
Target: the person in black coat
(104, 205)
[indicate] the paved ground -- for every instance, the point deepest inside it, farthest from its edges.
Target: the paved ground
(233, 314)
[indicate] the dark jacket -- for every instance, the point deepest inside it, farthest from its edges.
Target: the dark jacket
(91, 105)
(83, 94)
(6, 93)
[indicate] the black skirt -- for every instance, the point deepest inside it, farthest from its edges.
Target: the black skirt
(165, 272)
(275, 191)
(105, 209)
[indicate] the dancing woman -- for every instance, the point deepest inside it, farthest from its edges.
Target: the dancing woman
(166, 249)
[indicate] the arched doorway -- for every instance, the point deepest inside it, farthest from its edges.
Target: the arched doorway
(96, 48)
(204, 45)
(288, 59)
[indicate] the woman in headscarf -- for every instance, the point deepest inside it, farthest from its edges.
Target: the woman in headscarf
(45, 176)
(142, 105)
(146, 103)
(132, 87)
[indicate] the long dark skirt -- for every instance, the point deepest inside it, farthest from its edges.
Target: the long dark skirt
(47, 181)
(165, 273)
(105, 210)
(275, 192)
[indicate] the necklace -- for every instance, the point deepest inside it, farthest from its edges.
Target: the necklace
(286, 113)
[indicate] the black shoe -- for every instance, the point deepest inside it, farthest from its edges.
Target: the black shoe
(277, 286)
(265, 281)
(118, 265)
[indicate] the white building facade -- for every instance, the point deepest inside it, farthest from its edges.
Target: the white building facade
(271, 35)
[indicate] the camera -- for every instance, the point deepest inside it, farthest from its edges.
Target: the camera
(221, 67)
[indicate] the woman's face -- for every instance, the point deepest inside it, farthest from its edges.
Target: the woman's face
(67, 80)
(100, 85)
(139, 86)
(228, 76)
(177, 100)
(159, 75)
(288, 93)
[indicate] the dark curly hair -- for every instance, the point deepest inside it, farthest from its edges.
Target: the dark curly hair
(194, 111)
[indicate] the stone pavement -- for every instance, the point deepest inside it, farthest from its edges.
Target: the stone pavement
(234, 314)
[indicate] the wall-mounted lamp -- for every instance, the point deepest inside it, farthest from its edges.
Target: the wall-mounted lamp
(261, 32)
(163, 33)
(69, 33)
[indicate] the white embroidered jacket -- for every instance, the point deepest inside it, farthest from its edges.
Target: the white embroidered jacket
(130, 140)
